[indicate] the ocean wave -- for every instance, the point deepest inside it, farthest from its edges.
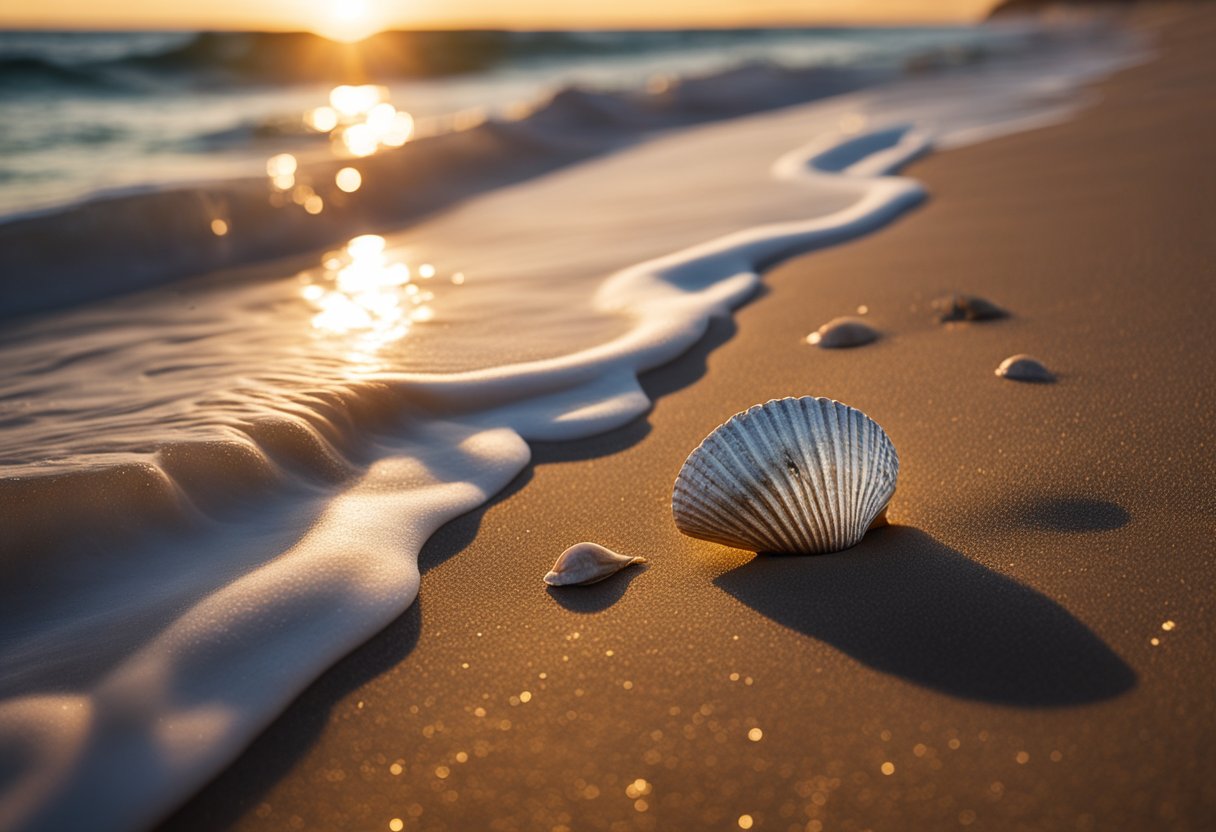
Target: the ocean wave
(144, 236)
(34, 75)
(129, 241)
(208, 58)
(205, 106)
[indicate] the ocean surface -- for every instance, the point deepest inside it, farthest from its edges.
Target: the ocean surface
(328, 314)
(91, 112)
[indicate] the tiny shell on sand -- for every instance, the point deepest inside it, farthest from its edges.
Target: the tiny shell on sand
(1024, 368)
(587, 563)
(843, 332)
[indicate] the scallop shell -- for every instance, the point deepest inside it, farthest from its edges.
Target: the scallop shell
(805, 476)
(586, 563)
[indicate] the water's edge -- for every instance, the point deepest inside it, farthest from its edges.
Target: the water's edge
(436, 471)
(121, 242)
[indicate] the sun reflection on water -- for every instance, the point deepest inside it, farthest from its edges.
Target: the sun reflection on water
(361, 120)
(366, 296)
(348, 180)
(282, 171)
(353, 101)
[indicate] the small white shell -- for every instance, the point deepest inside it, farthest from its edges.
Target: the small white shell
(586, 563)
(805, 476)
(840, 333)
(1024, 368)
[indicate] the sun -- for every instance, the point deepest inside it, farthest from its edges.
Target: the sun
(347, 20)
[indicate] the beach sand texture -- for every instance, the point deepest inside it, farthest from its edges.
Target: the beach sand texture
(1028, 646)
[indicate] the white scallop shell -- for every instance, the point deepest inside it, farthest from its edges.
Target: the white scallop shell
(804, 476)
(586, 563)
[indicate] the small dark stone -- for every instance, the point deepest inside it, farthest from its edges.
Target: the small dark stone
(958, 307)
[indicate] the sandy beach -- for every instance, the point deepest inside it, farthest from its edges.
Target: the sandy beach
(1028, 646)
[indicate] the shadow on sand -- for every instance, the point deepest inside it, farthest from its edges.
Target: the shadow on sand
(903, 603)
(596, 597)
(1071, 515)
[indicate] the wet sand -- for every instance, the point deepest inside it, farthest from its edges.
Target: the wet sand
(1028, 646)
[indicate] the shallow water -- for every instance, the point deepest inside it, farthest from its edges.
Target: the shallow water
(216, 488)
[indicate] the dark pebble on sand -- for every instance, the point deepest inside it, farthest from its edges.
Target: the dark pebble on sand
(957, 307)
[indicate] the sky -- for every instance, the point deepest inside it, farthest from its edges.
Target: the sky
(353, 18)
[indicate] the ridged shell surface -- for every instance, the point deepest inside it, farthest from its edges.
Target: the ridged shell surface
(806, 476)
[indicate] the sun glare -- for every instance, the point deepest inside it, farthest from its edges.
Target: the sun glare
(347, 20)
(366, 295)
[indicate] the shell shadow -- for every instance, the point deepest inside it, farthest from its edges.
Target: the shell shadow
(599, 596)
(1071, 514)
(903, 603)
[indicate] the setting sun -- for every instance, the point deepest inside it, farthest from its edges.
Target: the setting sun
(347, 20)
